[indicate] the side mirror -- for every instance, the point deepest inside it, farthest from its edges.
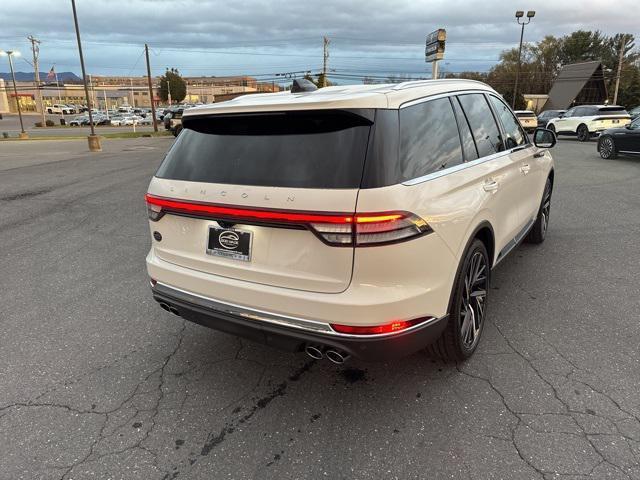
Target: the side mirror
(544, 138)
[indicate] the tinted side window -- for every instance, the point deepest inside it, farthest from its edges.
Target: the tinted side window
(429, 139)
(483, 124)
(512, 129)
(468, 144)
(570, 113)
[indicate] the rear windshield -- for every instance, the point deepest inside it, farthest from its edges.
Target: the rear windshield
(308, 149)
(612, 111)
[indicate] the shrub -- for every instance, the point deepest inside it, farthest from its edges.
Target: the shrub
(5, 134)
(50, 123)
(38, 124)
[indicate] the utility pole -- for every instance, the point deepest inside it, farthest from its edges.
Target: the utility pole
(153, 106)
(35, 48)
(620, 57)
(94, 140)
(169, 93)
(325, 62)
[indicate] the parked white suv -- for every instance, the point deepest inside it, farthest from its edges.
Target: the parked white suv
(59, 109)
(587, 121)
(351, 220)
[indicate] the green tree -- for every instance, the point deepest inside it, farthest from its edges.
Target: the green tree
(629, 91)
(172, 79)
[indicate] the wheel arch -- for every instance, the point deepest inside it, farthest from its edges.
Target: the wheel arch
(551, 177)
(483, 232)
(582, 124)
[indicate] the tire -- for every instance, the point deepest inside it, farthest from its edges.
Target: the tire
(552, 127)
(583, 133)
(467, 312)
(539, 229)
(607, 148)
(176, 131)
(49, 111)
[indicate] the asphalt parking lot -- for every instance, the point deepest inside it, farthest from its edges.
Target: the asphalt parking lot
(97, 382)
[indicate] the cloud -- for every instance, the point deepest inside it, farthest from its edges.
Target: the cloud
(258, 36)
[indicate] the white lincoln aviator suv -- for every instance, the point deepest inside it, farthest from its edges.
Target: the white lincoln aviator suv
(347, 221)
(587, 121)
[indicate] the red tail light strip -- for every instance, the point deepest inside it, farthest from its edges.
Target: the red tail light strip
(212, 210)
(392, 327)
(335, 229)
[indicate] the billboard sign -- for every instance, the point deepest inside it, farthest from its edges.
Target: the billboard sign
(434, 45)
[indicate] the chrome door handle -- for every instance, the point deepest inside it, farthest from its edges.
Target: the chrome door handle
(490, 186)
(539, 154)
(525, 168)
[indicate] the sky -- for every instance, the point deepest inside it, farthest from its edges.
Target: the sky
(269, 38)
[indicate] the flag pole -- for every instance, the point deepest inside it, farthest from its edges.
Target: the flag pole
(59, 97)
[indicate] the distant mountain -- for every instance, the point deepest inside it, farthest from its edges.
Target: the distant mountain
(28, 76)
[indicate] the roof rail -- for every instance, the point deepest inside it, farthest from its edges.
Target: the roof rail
(421, 83)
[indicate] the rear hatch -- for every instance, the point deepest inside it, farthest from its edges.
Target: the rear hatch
(261, 197)
(612, 116)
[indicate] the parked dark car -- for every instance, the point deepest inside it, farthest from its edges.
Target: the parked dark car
(547, 115)
(626, 140)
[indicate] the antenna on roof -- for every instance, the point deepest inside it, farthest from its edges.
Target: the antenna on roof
(302, 85)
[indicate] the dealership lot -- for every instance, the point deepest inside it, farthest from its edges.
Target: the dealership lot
(98, 382)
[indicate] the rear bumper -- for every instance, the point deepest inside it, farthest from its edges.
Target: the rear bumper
(294, 334)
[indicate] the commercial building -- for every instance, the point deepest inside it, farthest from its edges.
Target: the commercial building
(112, 92)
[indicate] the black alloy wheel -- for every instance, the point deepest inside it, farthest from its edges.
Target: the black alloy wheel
(607, 148)
(472, 301)
(539, 229)
(468, 308)
(583, 133)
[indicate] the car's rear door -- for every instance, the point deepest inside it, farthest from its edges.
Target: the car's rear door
(263, 198)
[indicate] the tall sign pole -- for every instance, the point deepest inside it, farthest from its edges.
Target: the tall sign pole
(153, 105)
(434, 49)
(94, 140)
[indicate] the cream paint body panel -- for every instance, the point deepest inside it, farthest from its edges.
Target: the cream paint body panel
(282, 257)
(388, 284)
(533, 185)
(528, 184)
(456, 203)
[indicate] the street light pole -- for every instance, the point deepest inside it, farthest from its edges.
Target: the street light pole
(519, 15)
(10, 54)
(94, 140)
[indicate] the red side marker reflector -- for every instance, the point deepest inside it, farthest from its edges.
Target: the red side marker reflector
(392, 327)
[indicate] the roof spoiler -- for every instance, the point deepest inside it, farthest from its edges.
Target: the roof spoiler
(302, 85)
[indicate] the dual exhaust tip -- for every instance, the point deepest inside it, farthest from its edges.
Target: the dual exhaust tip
(318, 352)
(169, 308)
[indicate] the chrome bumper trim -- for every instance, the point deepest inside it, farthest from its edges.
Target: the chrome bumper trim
(264, 316)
